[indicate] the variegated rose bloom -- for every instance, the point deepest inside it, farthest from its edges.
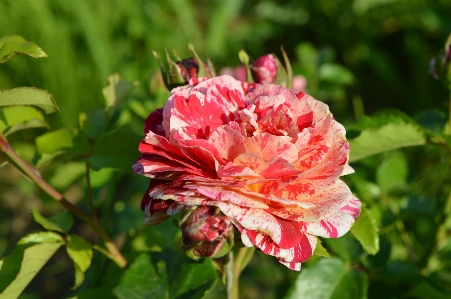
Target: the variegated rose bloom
(268, 158)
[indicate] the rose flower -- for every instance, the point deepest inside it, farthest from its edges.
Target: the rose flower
(267, 158)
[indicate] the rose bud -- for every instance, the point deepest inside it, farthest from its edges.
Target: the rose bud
(264, 69)
(206, 232)
(188, 68)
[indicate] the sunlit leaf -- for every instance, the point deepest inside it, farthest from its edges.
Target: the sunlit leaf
(389, 137)
(60, 222)
(366, 231)
(336, 74)
(64, 139)
(80, 251)
(117, 148)
(116, 91)
(15, 118)
(14, 44)
(66, 174)
(329, 279)
(320, 250)
(28, 96)
(26, 260)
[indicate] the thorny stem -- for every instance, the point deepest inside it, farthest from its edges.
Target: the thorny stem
(34, 175)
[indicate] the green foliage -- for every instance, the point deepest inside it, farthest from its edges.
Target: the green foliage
(28, 257)
(15, 44)
(80, 251)
(28, 96)
(388, 137)
(16, 118)
(328, 279)
(373, 54)
(320, 250)
(366, 231)
(61, 222)
(115, 148)
(115, 92)
(60, 140)
(179, 278)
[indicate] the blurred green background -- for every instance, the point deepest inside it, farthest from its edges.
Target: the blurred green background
(359, 56)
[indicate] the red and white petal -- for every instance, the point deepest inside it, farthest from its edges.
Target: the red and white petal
(276, 146)
(228, 141)
(290, 257)
(337, 224)
(325, 204)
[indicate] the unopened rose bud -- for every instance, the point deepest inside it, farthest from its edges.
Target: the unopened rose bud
(206, 232)
(264, 69)
(188, 68)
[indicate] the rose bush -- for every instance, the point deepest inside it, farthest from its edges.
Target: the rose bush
(268, 158)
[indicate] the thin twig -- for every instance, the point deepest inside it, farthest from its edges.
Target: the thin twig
(91, 203)
(34, 175)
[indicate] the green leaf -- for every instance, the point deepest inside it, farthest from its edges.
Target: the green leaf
(64, 139)
(28, 96)
(117, 148)
(189, 279)
(143, 280)
(14, 44)
(66, 174)
(329, 279)
(41, 237)
(92, 122)
(379, 119)
(336, 74)
(425, 291)
(166, 275)
(389, 137)
(320, 250)
(25, 261)
(15, 118)
(96, 293)
(61, 222)
(392, 172)
(346, 247)
(116, 91)
(366, 231)
(81, 253)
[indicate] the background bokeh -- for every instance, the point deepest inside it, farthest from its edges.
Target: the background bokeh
(359, 56)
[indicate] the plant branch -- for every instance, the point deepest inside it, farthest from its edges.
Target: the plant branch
(34, 175)
(89, 190)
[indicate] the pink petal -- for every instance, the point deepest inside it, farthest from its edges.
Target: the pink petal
(229, 142)
(325, 203)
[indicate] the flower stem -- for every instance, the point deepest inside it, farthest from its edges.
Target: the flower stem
(232, 279)
(89, 190)
(34, 175)
(234, 268)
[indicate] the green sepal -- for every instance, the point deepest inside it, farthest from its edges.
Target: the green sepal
(203, 71)
(282, 75)
(288, 66)
(174, 75)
